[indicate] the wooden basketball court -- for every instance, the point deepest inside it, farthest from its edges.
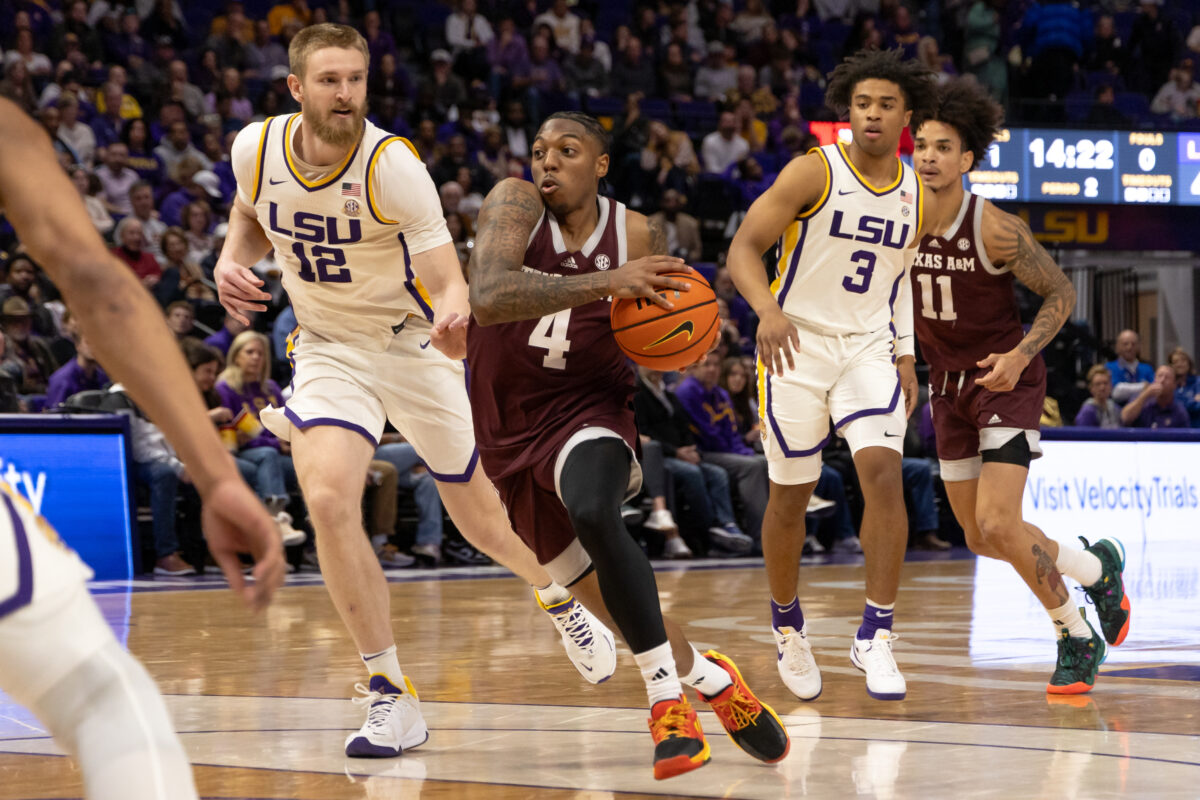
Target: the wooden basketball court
(262, 704)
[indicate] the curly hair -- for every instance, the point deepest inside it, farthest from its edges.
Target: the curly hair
(966, 106)
(589, 123)
(914, 79)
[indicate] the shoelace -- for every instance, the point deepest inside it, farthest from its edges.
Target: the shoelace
(379, 706)
(739, 711)
(674, 723)
(577, 627)
(880, 654)
(799, 658)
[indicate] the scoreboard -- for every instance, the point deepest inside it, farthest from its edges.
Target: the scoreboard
(1110, 167)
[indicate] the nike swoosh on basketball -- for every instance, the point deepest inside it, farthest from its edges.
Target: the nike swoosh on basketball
(687, 326)
(274, 182)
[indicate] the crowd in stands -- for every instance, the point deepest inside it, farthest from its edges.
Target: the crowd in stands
(706, 101)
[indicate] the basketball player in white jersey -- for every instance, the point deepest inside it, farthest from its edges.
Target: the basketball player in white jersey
(356, 223)
(58, 656)
(835, 341)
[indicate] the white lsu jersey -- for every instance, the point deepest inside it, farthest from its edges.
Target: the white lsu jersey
(34, 562)
(344, 236)
(841, 262)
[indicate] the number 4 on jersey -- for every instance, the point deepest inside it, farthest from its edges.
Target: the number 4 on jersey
(550, 334)
(927, 308)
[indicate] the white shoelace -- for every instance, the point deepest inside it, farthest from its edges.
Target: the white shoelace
(577, 627)
(799, 659)
(879, 656)
(379, 705)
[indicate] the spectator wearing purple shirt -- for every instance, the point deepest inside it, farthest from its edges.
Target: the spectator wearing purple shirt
(245, 390)
(77, 375)
(222, 340)
(1099, 410)
(1156, 406)
(715, 423)
(507, 54)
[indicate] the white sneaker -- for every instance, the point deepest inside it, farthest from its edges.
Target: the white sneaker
(660, 520)
(589, 644)
(813, 546)
(796, 664)
(290, 535)
(818, 505)
(394, 722)
(851, 544)
(874, 657)
(677, 548)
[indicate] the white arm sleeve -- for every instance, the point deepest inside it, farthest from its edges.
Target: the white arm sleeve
(404, 192)
(243, 158)
(902, 312)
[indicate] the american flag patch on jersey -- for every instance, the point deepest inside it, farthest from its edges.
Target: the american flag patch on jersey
(351, 190)
(905, 197)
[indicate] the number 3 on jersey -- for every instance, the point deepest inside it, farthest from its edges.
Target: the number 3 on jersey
(550, 334)
(928, 311)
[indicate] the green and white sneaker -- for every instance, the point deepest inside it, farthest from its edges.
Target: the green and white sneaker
(1108, 593)
(1078, 662)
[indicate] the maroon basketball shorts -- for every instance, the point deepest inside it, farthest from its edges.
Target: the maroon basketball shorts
(534, 507)
(969, 419)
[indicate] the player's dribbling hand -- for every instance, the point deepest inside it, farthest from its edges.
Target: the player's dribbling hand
(643, 278)
(777, 341)
(1006, 370)
(238, 289)
(449, 335)
(234, 521)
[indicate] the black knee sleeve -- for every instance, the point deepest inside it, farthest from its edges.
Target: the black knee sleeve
(1014, 451)
(593, 484)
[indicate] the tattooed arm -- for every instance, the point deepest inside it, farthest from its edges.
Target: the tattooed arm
(646, 236)
(502, 292)
(1009, 242)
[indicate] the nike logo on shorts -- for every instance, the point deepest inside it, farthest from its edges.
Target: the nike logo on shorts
(890, 435)
(425, 344)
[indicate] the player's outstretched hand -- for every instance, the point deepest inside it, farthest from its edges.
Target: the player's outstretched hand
(907, 367)
(234, 521)
(644, 278)
(449, 334)
(777, 341)
(239, 289)
(1006, 370)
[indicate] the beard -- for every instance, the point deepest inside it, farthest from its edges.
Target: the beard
(334, 130)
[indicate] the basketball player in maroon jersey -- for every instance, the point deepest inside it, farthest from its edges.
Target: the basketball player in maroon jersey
(987, 380)
(551, 400)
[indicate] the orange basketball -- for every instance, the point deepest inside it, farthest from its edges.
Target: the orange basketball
(667, 339)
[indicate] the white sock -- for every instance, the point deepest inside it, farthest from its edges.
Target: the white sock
(1068, 616)
(658, 671)
(551, 595)
(385, 663)
(1078, 564)
(706, 677)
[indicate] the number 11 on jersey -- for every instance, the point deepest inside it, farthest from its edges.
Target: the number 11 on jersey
(550, 334)
(928, 310)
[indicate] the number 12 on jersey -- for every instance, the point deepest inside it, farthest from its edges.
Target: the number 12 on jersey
(947, 314)
(550, 334)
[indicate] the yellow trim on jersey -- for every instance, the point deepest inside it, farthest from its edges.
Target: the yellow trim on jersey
(762, 391)
(867, 183)
(920, 206)
(334, 174)
(790, 238)
(371, 170)
(828, 186)
(259, 159)
(420, 287)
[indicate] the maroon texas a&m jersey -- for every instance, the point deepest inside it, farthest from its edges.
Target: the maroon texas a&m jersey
(536, 382)
(965, 308)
